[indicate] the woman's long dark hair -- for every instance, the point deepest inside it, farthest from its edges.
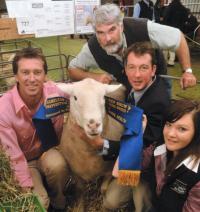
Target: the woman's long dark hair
(177, 110)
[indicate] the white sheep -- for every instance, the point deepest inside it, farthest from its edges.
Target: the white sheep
(87, 109)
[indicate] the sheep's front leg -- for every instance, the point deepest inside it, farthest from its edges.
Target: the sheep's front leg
(80, 203)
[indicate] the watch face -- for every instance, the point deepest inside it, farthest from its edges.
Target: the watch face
(188, 70)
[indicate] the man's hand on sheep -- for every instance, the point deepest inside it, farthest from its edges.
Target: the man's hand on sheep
(104, 78)
(96, 142)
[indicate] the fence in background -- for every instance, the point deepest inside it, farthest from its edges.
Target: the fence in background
(57, 68)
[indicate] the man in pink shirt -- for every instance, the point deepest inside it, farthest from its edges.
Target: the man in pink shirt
(18, 134)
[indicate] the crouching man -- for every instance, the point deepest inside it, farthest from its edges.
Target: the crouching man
(33, 153)
(148, 92)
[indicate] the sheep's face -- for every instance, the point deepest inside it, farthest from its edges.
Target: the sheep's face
(87, 104)
(87, 107)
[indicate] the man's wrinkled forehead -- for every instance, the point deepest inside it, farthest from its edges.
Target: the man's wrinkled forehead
(106, 26)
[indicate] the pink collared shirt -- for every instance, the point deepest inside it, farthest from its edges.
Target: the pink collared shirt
(17, 132)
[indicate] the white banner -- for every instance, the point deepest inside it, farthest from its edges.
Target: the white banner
(84, 10)
(52, 17)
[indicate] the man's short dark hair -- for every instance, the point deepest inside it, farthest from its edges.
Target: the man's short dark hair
(28, 53)
(139, 49)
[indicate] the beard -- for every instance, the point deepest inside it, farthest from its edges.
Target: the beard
(112, 48)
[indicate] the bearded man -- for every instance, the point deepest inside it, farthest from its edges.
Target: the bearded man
(113, 34)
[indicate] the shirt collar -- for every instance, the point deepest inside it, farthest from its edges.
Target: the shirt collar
(188, 162)
(18, 102)
(160, 150)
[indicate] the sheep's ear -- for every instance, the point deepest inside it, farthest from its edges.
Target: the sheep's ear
(65, 87)
(111, 88)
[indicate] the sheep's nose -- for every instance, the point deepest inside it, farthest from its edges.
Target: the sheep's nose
(93, 124)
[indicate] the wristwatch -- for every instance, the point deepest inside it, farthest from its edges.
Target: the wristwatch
(188, 70)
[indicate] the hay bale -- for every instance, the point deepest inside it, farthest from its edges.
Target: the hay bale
(12, 196)
(94, 200)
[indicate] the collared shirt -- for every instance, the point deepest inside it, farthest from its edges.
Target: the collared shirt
(17, 132)
(192, 201)
(161, 36)
(139, 94)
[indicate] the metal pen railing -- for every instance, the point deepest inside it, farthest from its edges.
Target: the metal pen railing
(53, 63)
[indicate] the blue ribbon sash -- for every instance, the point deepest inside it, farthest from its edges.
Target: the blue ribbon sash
(131, 144)
(43, 124)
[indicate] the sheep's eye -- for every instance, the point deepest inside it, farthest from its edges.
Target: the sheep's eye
(75, 98)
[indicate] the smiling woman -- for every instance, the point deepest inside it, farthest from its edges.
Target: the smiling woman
(179, 134)
(177, 162)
